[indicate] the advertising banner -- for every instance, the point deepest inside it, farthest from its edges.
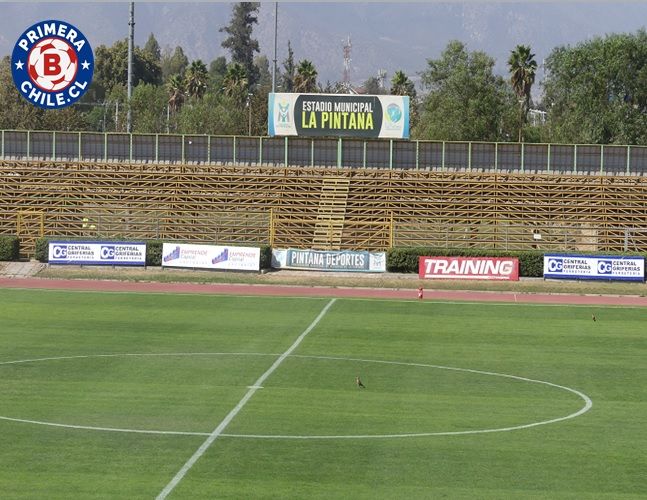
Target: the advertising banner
(338, 115)
(211, 257)
(93, 253)
(594, 267)
(469, 268)
(329, 260)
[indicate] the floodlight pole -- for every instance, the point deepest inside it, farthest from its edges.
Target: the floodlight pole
(276, 17)
(131, 39)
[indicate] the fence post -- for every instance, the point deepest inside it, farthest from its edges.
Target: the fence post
(523, 157)
(574, 158)
(548, 158)
(417, 155)
(496, 157)
(234, 159)
(54, 145)
(364, 155)
(442, 158)
(157, 148)
(105, 146)
(183, 141)
(339, 146)
(209, 149)
(2, 151)
(312, 153)
(28, 146)
(285, 151)
(260, 150)
(391, 154)
(469, 156)
(628, 159)
(601, 159)
(130, 149)
(80, 148)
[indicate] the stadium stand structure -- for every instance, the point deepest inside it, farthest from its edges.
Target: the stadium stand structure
(327, 208)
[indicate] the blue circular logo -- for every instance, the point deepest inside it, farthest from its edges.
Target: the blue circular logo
(394, 112)
(52, 64)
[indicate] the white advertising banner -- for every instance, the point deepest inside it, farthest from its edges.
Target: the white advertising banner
(594, 267)
(97, 253)
(329, 260)
(211, 257)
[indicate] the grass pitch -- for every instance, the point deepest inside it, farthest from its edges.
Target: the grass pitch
(163, 371)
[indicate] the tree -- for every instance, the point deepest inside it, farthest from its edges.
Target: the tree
(176, 93)
(236, 83)
(111, 67)
(402, 85)
(466, 101)
(372, 86)
(15, 111)
(174, 63)
(196, 79)
(152, 48)
(263, 67)
(596, 92)
(217, 72)
(239, 41)
(148, 106)
(305, 80)
(522, 67)
(287, 78)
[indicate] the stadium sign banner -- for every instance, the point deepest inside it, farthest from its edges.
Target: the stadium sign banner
(469, 268)
(211, 257)
(329, 260)
(594, 267)
(97, 253)
(368, 116)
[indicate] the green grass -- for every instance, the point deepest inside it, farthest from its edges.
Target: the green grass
(401, 349)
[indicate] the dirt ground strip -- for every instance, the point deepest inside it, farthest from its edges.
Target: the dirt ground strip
(320, 291)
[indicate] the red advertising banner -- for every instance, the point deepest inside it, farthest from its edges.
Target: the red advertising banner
(469, 268)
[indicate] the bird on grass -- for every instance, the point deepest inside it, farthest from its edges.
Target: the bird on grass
(593, 317)
(358, 382)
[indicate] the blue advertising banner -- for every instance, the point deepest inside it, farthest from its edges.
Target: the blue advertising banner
(594, 267)
(97, 253)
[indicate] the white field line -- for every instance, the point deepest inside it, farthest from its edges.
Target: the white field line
(232, 414)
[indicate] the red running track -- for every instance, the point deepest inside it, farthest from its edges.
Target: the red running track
(320, 291)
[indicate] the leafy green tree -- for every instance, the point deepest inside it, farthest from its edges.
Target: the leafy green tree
(152, 48)
(217, 72)
(214, 114)
(372, 86)
(111, 67)
(263, 66)
(149, 108)
(15, 111)
(596, 92)
(522, 67)
(305, 80)
(196, 79)
(239, 41)
(289, 71)
(173, 63)
(466, 101)
(402, 85)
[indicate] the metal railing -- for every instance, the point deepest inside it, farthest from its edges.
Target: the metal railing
(325, 152)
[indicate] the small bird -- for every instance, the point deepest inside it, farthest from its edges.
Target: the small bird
(358, 381)
(593, 317)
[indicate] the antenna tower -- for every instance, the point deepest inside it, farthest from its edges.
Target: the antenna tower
(346, 76)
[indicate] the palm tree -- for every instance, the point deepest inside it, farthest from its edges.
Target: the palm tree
(235, 83)
(305, 80)
(401, 85)
(522, 67)
(176, 92)
(197, 77)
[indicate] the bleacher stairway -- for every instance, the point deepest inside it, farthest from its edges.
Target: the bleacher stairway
(331, 214)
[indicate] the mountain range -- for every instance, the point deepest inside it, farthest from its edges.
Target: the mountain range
(384, 36)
